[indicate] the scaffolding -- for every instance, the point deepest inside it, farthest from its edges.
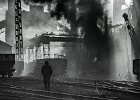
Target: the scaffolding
(46, 51)
(39, 52)
(18, 31)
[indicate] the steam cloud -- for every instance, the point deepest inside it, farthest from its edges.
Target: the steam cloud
(80, 13)
(84, 14)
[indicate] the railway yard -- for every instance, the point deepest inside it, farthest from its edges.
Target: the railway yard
(24, 88)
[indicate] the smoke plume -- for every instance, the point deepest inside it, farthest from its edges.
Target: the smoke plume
(80, 13)
(83, 15)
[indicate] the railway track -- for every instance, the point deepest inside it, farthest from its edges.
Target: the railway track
(119, 88)
(32, 94)
(123, 87)
(115, 86)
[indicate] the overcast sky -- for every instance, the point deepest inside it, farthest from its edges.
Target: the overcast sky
(4, 7)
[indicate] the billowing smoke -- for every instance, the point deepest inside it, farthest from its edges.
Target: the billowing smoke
(83, 15)
(80, 13)
(89, 18)
(35, 23)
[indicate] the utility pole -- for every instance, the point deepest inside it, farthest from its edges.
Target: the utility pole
(18, 31)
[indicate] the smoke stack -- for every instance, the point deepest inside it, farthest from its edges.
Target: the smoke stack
(10, 22)
(11, 5)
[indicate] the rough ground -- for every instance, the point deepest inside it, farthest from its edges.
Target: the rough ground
(27, 88)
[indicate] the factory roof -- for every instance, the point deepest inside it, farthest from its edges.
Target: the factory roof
(3, 43)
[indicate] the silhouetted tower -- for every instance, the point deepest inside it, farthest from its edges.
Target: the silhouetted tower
(131, 32)
(18, 31)
(136, 62)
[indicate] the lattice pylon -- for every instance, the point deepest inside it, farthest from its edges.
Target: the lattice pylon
(18, 31)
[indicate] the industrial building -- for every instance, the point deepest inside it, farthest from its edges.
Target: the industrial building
(71, 49)
(5, 48)
(52, 49)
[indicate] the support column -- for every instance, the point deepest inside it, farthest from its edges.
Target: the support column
(38, 52)
(46, 50)
(31, 55)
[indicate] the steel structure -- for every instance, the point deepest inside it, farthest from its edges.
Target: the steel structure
(40, 45)
(131, 32)
(18, 31)
(39, 52)
(46, 50)
(136, 61)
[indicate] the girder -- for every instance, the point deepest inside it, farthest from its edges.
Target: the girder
(18, 31)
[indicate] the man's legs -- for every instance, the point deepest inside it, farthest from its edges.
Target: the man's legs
(48, 83)
(45, 82)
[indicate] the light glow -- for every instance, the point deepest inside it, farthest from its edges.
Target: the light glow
(128, 2)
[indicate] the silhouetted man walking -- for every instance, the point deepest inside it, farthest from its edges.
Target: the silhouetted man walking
(46, 72)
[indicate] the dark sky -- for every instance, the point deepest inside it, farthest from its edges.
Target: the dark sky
(89, 11)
